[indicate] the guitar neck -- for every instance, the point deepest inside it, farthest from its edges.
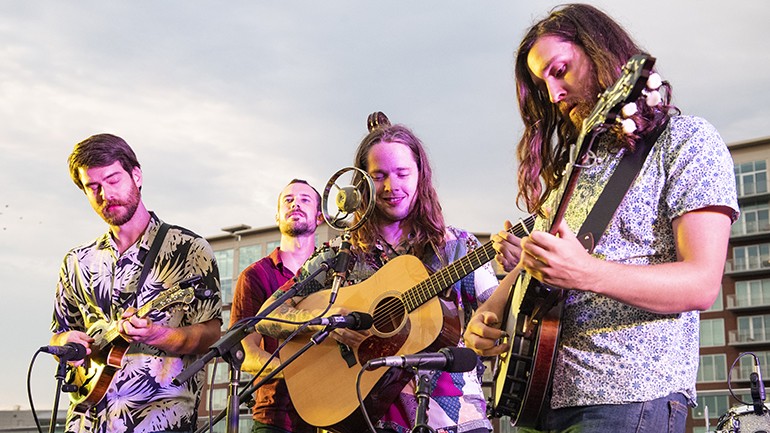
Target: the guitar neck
(439, 281)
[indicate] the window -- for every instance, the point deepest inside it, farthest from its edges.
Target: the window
(712, 332)
(752, 293)
(272, 245)
(712, 368)
(717, 405)
(751, 178)
(753, 219)
(248, 255)
(751, 257)
(717, 305)
(747, 365)
(225, 264)
(225, 320)
(753, 328)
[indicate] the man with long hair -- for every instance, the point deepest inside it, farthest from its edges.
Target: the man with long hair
(407, 219)
(628, 353)
(100, 283)
(297, 216)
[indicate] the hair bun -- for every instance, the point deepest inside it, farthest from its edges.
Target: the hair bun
(378, 119)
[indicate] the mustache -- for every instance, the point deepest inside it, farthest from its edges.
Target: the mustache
(288, 214)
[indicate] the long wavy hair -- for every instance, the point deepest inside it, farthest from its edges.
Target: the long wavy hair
(426, 219)
(542, 150)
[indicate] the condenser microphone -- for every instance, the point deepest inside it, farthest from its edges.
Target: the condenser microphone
(450, 359)
(348, 199)
(355, 321)
(68, 352)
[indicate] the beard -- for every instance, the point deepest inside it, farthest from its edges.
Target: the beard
(124, 211)
(296, 228)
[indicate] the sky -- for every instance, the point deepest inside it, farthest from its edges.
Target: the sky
(225, 102)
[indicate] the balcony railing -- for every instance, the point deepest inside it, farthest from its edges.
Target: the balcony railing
(732, 265)
(735, 302)
(756, 229)
(738, 337)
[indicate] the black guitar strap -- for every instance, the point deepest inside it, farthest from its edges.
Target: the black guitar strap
(147, 263)
(596, 223)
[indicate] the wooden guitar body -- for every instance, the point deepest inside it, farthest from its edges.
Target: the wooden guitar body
(322, 383)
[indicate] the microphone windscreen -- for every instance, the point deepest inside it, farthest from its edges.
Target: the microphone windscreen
(463, 359)
(364, 321)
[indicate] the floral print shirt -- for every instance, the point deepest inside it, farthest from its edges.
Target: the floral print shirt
(613, 353)
(97, 284)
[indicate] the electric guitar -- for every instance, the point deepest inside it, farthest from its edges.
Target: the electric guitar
(408, 317)
(524, 373)
(94, 376)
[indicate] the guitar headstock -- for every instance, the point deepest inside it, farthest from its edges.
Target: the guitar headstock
(635, 77)
(182, 292)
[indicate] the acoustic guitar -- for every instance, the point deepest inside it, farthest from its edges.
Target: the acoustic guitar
(408, 317)
(523, 374)
(94, 376)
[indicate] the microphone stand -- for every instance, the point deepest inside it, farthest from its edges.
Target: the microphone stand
(315, 340)
(422, 392)
(232, 338)
(61, 372)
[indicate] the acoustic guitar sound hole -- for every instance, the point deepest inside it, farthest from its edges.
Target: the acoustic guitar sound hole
(388, 315)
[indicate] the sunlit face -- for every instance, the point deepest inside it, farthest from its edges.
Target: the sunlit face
(394, 171)
(298, 210)
(113, 192)
(566, 73)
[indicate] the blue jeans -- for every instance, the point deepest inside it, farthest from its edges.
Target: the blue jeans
(663, 415)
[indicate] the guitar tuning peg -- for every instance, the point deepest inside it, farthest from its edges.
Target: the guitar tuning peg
(628, 110)
(628, 126)
(654, 81)
(653, 98)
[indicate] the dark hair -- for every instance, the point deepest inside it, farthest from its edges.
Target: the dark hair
(426, 219)
(100, 150)
(547, 135)
(304, 182)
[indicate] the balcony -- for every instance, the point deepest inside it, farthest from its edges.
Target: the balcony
(743, 338)
(742, 303)
(742, 266)
(737, 232)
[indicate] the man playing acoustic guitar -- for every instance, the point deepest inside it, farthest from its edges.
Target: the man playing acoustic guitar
(407, 223)
(628, 351)
(98, 285)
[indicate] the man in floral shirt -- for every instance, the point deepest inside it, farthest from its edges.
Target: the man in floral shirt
(98, 284)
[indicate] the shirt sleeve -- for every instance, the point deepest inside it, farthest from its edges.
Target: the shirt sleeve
(699, 169)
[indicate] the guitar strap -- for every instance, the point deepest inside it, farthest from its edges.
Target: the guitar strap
(147, 263)
(605, 207)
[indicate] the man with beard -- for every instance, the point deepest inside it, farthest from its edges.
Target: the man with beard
(99, 282)
(628, 354)
(407, 220)
(298, 215)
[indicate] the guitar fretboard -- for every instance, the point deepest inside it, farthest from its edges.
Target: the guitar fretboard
(439, 281)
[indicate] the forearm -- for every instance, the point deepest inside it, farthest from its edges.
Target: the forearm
(187, 340)
(288, 312)
(256, 357)
(663, 288)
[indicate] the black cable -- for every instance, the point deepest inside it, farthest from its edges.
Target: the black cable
(29, 392)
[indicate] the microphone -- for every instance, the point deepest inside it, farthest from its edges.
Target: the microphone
(355, 321)
(68, 352)
(340, 268)
(757, 388)
(348, 199)
(451, 359)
